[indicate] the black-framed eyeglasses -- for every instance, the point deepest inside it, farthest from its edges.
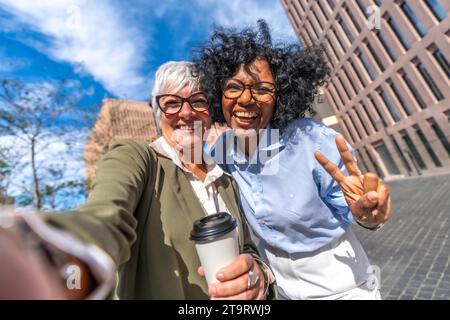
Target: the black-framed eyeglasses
(172, 104)
(261, 91)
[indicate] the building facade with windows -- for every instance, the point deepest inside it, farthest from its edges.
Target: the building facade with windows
(390, 81)
(118, 120)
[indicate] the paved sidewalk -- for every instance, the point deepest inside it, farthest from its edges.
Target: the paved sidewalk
(413, 249)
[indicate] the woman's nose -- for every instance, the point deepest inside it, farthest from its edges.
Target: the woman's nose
(246, 97)
(185, 110)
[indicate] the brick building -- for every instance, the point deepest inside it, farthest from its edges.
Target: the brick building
(118, 120)
(390, 81)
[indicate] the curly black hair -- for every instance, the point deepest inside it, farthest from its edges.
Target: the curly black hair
(298, 71)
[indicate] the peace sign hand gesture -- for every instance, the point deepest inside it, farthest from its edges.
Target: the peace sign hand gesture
(367, 197)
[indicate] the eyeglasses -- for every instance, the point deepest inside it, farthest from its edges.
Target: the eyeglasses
(261, 91)
(172, 104)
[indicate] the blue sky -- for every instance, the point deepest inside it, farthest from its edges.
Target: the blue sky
(113, 47)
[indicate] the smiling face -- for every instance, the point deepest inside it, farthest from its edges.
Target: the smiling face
(187, 127)
(244, 112)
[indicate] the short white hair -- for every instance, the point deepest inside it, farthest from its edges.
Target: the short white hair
(172, 77)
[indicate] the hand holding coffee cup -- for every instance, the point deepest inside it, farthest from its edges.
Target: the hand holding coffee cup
(229, 275)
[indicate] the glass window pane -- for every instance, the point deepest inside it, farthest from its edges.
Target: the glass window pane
(400, 154)
(400, 99)
(442, 61)
(427, 146)
(367, 65)
(413, 19)
(429, 80)
(346, 30)
(389, 105)
(386, 45)
(374, 164)
(441, 135)
(331, 4)
(362, 8)
(412, 150)
(437, 10)
(414, 91)
(385, 155)
(404, 41)
(375, 56)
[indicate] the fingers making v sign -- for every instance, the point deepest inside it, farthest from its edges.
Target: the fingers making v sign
(368, 198)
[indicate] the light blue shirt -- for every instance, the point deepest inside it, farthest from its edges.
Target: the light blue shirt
(288, 198)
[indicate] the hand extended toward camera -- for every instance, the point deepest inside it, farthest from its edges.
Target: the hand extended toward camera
(368, 198)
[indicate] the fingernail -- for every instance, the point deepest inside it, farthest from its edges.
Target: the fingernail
(372, 196)
(220, 276)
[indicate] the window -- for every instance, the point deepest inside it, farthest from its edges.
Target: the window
(348, 129)
(437, 54)
(338, 39)
(429, 80)
(440, 134)
(375, 56)
(331, 4)
(317, 19)
(367, 65)
(357, 73)
(355, 23)
(350, 80)
(385, 45)
(412, 150)
(375, 106)
(358, 115)
(374, 164)
(389, 105)
(332, 48)
(344, 87)
(368, 115)
(400, 99)
(385, 155)
(361, 162)
(414, 91)
(404, 41)
(346, 30)
(334, 99)
(361, 7)
(400, 153)
(353, 122)
(322, 9)
(339, 95)
(436, 8)
(408, 11)
(427, 146)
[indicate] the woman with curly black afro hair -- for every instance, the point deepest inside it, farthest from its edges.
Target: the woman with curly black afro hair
(297, 201)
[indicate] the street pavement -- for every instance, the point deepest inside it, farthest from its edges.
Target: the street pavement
(413, 249)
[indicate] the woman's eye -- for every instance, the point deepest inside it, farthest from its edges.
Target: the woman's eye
(233, 87)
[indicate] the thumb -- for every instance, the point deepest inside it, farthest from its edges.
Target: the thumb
(365, 203)
(201, 271)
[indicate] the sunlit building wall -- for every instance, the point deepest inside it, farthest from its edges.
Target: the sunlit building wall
(390, 82)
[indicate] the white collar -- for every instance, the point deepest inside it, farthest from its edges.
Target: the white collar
(162, 147)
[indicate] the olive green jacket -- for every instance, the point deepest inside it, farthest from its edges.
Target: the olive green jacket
(141, 212)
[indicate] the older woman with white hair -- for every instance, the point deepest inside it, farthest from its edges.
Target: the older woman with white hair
(146, 198)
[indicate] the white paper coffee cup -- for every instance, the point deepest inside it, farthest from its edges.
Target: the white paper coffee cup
(216, 242)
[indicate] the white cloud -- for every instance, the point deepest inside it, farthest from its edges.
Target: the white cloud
(96, 35)
(238, 13)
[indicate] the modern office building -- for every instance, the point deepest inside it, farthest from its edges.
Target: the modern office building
(118, 120)
(390, 81)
